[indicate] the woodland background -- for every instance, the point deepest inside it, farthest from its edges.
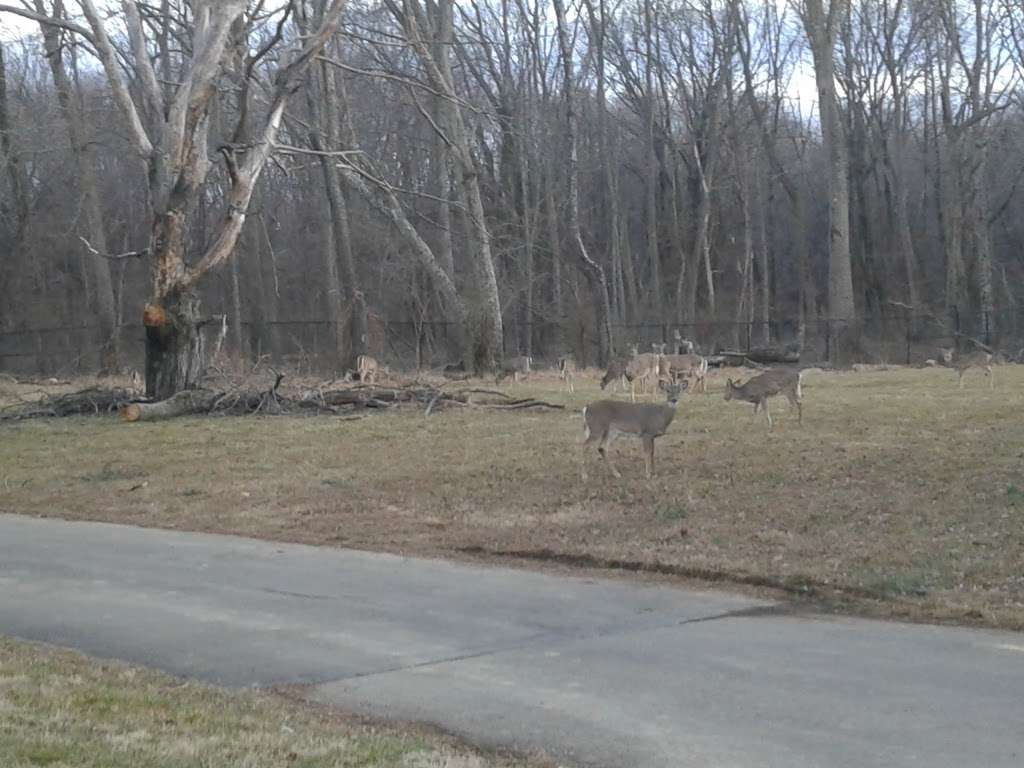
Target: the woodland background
(841, 176)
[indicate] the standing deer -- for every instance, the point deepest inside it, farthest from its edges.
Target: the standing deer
(963, 363)
(683, 346)
(643, 370)
(514, 367)
(567, 372)
(605, 420)
(685, 366)
(769, 384)
(368, 369)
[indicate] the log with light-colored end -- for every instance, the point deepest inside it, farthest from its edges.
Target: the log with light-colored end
(605, 420)
(179, 404)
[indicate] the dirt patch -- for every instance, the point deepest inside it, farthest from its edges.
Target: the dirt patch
(900, 493)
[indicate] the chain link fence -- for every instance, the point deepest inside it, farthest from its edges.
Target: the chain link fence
(320, 347)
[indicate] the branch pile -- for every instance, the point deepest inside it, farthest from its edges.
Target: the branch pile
(355, 400)
(85, 402)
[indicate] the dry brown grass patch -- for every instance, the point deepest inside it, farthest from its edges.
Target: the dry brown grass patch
(899, 490)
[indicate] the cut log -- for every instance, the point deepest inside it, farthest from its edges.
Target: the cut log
(762, 355)
(179, 404)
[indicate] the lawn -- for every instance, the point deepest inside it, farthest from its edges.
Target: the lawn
(900, 495)
(61, 709)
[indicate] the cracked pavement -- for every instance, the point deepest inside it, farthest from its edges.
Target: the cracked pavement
(589, 671)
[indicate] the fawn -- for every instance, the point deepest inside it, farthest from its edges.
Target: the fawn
(766, 385)
(605, 420)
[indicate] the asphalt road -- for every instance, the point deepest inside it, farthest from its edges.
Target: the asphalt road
(592, 672)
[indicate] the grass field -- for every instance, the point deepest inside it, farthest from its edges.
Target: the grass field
(61, 709)
(900, 495)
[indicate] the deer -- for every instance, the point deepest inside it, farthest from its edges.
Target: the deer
(641, 370)
(683, 346)
(616, 372)
(605, 420)
(766, 385)
(685, 366)
(567, 372)
(515, 367)
(368, 369)
(963, 363)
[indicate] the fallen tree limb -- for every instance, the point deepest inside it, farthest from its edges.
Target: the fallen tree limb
(180, 404)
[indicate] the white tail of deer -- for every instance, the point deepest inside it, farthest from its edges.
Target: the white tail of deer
(769, 384)
(368, 369)
(605, 420)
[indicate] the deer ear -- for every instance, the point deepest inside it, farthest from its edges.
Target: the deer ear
(684, 385)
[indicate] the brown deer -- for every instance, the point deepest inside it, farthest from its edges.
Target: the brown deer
(605, 420)
(963, 363)
(766, 385)
(515, 367)
(567, 372)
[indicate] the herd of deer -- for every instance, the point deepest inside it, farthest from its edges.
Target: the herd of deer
(605, 420)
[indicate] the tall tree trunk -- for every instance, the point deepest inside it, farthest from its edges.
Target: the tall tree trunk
(593, 271)
(86, 164)
(12, 292)
(336, 98)
(979, 224)
(821, 32)
(489, 325)
(652, 170)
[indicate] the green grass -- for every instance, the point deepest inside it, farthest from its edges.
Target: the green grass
(898, 485)
(59, 708)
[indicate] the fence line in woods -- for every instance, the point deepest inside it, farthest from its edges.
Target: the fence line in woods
(320, 346)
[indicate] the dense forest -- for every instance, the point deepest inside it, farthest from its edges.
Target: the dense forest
(437, 182)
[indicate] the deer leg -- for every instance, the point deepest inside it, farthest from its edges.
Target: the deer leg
(602, 449)
(768, 415)
(794, 402)
(649, 456)
(960, 373)
(991, 377)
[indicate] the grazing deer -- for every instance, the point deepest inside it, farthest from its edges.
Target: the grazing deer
(616, 372)
(368, 369)
(962, 363)
(643, 370)
(675, 367)
(605, 420)
(766, 385)
(567, 372)
(514, 367)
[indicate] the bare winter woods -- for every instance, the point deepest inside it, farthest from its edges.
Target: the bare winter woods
(447, 182)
